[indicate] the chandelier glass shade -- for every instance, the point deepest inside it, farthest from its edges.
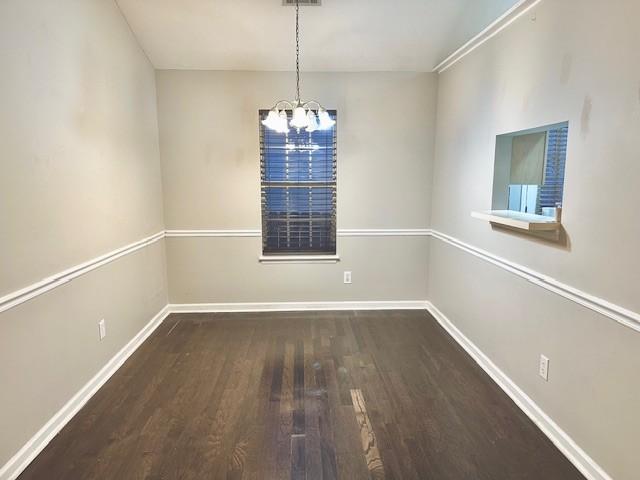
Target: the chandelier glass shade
(309, 115)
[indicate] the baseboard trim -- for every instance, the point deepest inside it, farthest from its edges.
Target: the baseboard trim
(14, 467)
(294, 306)
(582, 461)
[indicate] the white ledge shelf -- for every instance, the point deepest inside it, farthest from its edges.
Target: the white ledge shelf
(524, 221)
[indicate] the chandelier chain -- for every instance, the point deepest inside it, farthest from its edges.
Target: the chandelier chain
(298, 50)
(303, 115)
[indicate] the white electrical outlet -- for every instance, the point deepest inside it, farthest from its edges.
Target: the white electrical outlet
(347, 277)
(543, 369)
(102, 327)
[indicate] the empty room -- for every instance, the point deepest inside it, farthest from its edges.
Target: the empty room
(319, 239)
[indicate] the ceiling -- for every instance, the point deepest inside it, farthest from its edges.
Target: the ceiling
(340, 35)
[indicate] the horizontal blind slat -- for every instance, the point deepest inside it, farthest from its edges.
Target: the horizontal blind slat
(552, 189)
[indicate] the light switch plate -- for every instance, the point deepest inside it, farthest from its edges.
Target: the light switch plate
(102, 327)
(543, 369)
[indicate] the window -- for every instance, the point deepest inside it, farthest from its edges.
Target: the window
(298, 183)
(552, 189)
(529, 170)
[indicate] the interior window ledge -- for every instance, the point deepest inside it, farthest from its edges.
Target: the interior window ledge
(523, 221)
(299, 258)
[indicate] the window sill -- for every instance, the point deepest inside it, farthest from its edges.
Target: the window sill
(298, 258)
(523, 221)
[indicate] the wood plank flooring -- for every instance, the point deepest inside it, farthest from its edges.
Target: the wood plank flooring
(315, 395)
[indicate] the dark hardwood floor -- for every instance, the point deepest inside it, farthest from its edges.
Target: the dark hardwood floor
(323, 395)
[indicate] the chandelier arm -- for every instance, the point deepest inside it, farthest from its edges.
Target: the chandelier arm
(288, 104)
(311, 102)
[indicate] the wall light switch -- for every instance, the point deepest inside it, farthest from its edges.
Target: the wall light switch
(347, 277)
(543, 370)
(102, 327)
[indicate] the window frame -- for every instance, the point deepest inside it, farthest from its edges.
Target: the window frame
(500, 196)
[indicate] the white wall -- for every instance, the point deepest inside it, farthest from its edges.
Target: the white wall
(211, 180)
(80, 177)
(565, 60)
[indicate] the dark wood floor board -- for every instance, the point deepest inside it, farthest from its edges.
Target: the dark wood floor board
(344, 436)
(325, 424)
(351, 465)
(285, 416)
(215, 432)
(312, 398)
(368, 437)
(398, 459)
(342, 375)
(247, 435)
(300, 395)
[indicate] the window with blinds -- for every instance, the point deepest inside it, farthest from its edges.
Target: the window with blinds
(552, 188)
(298, 190)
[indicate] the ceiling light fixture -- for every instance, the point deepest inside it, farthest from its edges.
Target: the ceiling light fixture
(304, 113)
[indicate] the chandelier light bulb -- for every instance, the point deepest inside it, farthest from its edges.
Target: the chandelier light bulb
(326, 122)
(312, 121)
(272, 121)
(299, 119)
(282, 125)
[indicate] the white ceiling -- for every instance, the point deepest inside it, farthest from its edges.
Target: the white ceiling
(340, 35)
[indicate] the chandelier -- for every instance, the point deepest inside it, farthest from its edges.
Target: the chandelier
(304, 113)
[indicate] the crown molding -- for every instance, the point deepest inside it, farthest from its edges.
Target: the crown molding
(506, 19)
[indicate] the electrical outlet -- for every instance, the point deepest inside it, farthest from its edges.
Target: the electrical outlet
(102, 327)
(543, 369)
(347, 277)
